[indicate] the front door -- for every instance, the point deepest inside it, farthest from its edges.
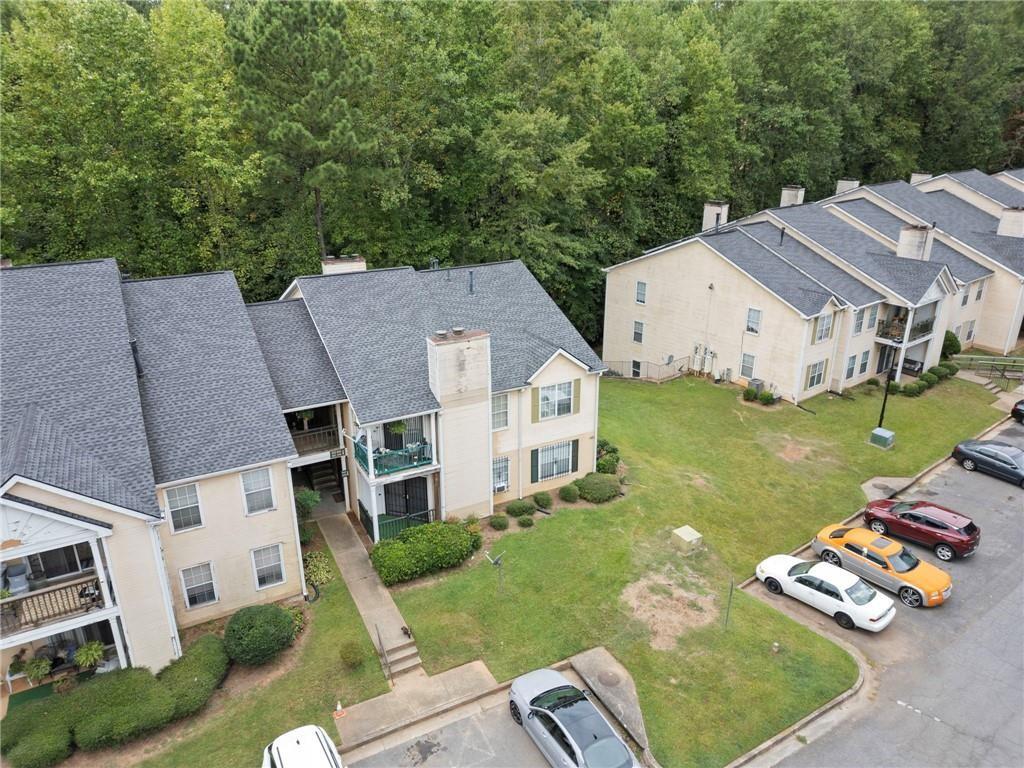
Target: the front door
(885, 358)
(406, 497)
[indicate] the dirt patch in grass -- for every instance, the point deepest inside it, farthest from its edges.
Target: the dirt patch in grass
(667, 609)
(793, 450)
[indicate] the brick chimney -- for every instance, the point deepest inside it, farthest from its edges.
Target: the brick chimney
(915, 242)
(716, 213)
(845, 185)
(338, 265)
(792, 194)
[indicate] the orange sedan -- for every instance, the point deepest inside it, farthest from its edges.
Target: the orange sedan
(884, 562)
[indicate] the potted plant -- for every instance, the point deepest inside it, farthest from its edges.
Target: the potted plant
(306, 416)
(89, 655)
(396, 427)
(37, 669)
(4, 593)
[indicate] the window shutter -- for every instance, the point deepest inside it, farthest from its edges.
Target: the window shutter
(535, 405)
(576, 386)
(576, 454)
(534, 463)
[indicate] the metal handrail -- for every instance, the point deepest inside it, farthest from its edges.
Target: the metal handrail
(649, 371)
(383, 653)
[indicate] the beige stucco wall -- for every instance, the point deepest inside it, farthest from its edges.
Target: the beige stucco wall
(226, 539)
(1001, 311)
(135, 573)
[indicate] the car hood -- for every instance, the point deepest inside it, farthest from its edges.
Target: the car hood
(533, 684)
(928, 577)
(777, 564)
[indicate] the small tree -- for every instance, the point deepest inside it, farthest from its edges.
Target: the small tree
(305, 502)
(950, 345)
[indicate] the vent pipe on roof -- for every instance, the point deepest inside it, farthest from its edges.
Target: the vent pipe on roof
(716, 213)
(1011, 222)
(792, 194)
(918, 176)
(845, 185)
(441, 334)
(782, 235)
(458, 330)
(471, 282)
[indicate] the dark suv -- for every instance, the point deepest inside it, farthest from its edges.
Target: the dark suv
(948, 533)
(1018, 411)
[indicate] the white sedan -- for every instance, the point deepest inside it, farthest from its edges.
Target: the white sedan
(830, 589)
(305, 747)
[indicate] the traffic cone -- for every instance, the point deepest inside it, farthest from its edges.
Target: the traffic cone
(338, 711)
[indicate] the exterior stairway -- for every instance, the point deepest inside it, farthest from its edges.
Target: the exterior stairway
(325, 480)
(403, 658)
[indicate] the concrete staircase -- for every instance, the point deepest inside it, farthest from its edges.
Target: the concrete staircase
(325, 480)
(992, 387)
(403, 658)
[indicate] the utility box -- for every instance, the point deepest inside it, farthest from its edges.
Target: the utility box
(757, 385)
(883, 438)
(687, 540)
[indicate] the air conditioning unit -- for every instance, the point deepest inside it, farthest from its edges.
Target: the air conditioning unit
(757, 385)
(501, 487)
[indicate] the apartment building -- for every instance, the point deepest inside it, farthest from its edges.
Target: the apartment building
(805, 298)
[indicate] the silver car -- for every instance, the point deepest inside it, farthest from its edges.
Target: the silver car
(564, 724)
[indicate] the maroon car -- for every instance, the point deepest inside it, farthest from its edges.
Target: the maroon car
(948, 533)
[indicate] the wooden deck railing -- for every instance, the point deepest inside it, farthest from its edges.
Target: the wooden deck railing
(50, 604)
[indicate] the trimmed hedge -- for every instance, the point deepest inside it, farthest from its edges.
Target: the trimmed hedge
(750, 394)
(23, 728)
(519, 507)
(939, 372)
(608, 464)
(119, 706)
(542, 500)
(894, 388)
(950, 366)
(498, 522)
(930, 379)
(192, 679)
(872, 382)
(950, 344)
(914, 388)
(598, 488)
(305, 534)
(257, 633)
(525, 522)
(421, 550)
(766, 398)
(41, 748)
(569, 493)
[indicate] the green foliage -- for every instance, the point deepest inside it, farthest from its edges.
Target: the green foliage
(306, 533)
(350, 654)
(599, 488)
(914, 388)
(192, 679)
(542, 499)
(750, 394)
(605, 446)
(950, 366)
(117, 707)
(766, 398)
(939, 372)
(950, 345)
(569, 493)
(317, 565)
(43, 747)
(525, 521)
(872, 382)
(421, 550)
(257, 633)
(894, 388)
(298, 619)
(476, 538)
(306, 500)
(37, 669)
(520, 507)
(89, 655)
(498, 522)
(608, 464)
(929, 379)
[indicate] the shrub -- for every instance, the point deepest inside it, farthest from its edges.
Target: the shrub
(939, 372)
(598, 488)
(192, 679)
(498, 522)
(305, 502)
(351, 654)
(766, 398)
(950, 366)
(421, 550)
(750, 394)
(89, 655)
(542, 500)
(44, 747)
(117, 707)
(914, 388)
(22, 723)
(305, 534)
(65, 685)
(472, 519)
(475, 537)
(525, 522)
(603, 446)
(257, 633)
(569, 493)
(872, 382)
(929, 379)
(950, 345)
(317, 565)
(298, 619)
(608, 464)
(894, 388)
(519, 507)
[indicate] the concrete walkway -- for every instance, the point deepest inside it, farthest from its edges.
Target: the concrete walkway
(385, 624)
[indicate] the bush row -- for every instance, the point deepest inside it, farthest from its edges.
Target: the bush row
(766, 398)
(926, 380)
(421, 550)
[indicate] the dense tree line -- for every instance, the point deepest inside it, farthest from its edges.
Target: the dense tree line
(186, 135)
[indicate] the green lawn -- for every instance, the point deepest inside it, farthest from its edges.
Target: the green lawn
(696, 456)
(235, 735)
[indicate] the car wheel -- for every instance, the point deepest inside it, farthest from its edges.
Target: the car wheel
(944, 552)
(879, 527)
(773, 586)
(968, 464)
(910, 597)
(831, 557)
(844, 621)
(517, 716)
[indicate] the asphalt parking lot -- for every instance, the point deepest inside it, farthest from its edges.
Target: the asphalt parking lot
(949, 679)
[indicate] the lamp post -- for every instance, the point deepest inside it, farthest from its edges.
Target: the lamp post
(889, 377)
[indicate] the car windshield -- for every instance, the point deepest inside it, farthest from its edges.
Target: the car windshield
(558, 697)
(861, 593)
(903, 561)
(607, 753)
(1014, 455)
(801, 568)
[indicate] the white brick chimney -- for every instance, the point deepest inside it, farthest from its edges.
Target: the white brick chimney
(341, 264)
(791, 195)
(845, 185)
(716, 213)
(1011, 222)
(918, 176)
(915, 242)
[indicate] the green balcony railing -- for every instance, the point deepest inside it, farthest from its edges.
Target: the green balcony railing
(389, 462)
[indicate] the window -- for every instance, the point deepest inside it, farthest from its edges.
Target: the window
(874, 558)
(747, 366)
(183, 502)
(499, 411)
(641, 292)
(822, 328)
(753, 321)
(969, 328)
(981, 288)
(956, 331)
(855, 548)
(873, 318)
(554, 460)
(64, 561)
(965, 297)
(499, 474)
(269, 568)
(636, 369)
(858, 322)
(259, 495)
(851, 366)
(198, 584)
(864, 357)
(638, 332)
(815, 374)
(555, 400)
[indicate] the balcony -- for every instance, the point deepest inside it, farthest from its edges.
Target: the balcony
(50, 604)
(315, 440)
(391, 461)
(893, 330)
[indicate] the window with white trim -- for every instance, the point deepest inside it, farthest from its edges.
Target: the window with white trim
(965, 297)
(865, 357)
(981, 289)
(499, 474)
(822, 328)
(183, 504)
(969, 328)
(858, 322)
(747, 366)
(956, 331)
(259, 493)
(638, 332)
(199, 585)
(499, 411)
(554, 460)
(636, 369)
(641, 292)
(851, 366)
(873, 318)
(556, 400)
(753, 320)
(268, 565)
(815, 374)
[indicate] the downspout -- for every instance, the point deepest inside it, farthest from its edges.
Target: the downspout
(519, 442)
(295, 530)
(158, 554)
(597, 411)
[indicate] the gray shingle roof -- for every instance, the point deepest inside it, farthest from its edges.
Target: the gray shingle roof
(302, 373)
(986, 185)
(909, 278)
(1017, 173)
(64, 342)
(209, 401)
(963, 267)
(375, 325)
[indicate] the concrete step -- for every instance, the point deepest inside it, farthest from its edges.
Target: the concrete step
(396, 650)
(403, 655)
(406, 666)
